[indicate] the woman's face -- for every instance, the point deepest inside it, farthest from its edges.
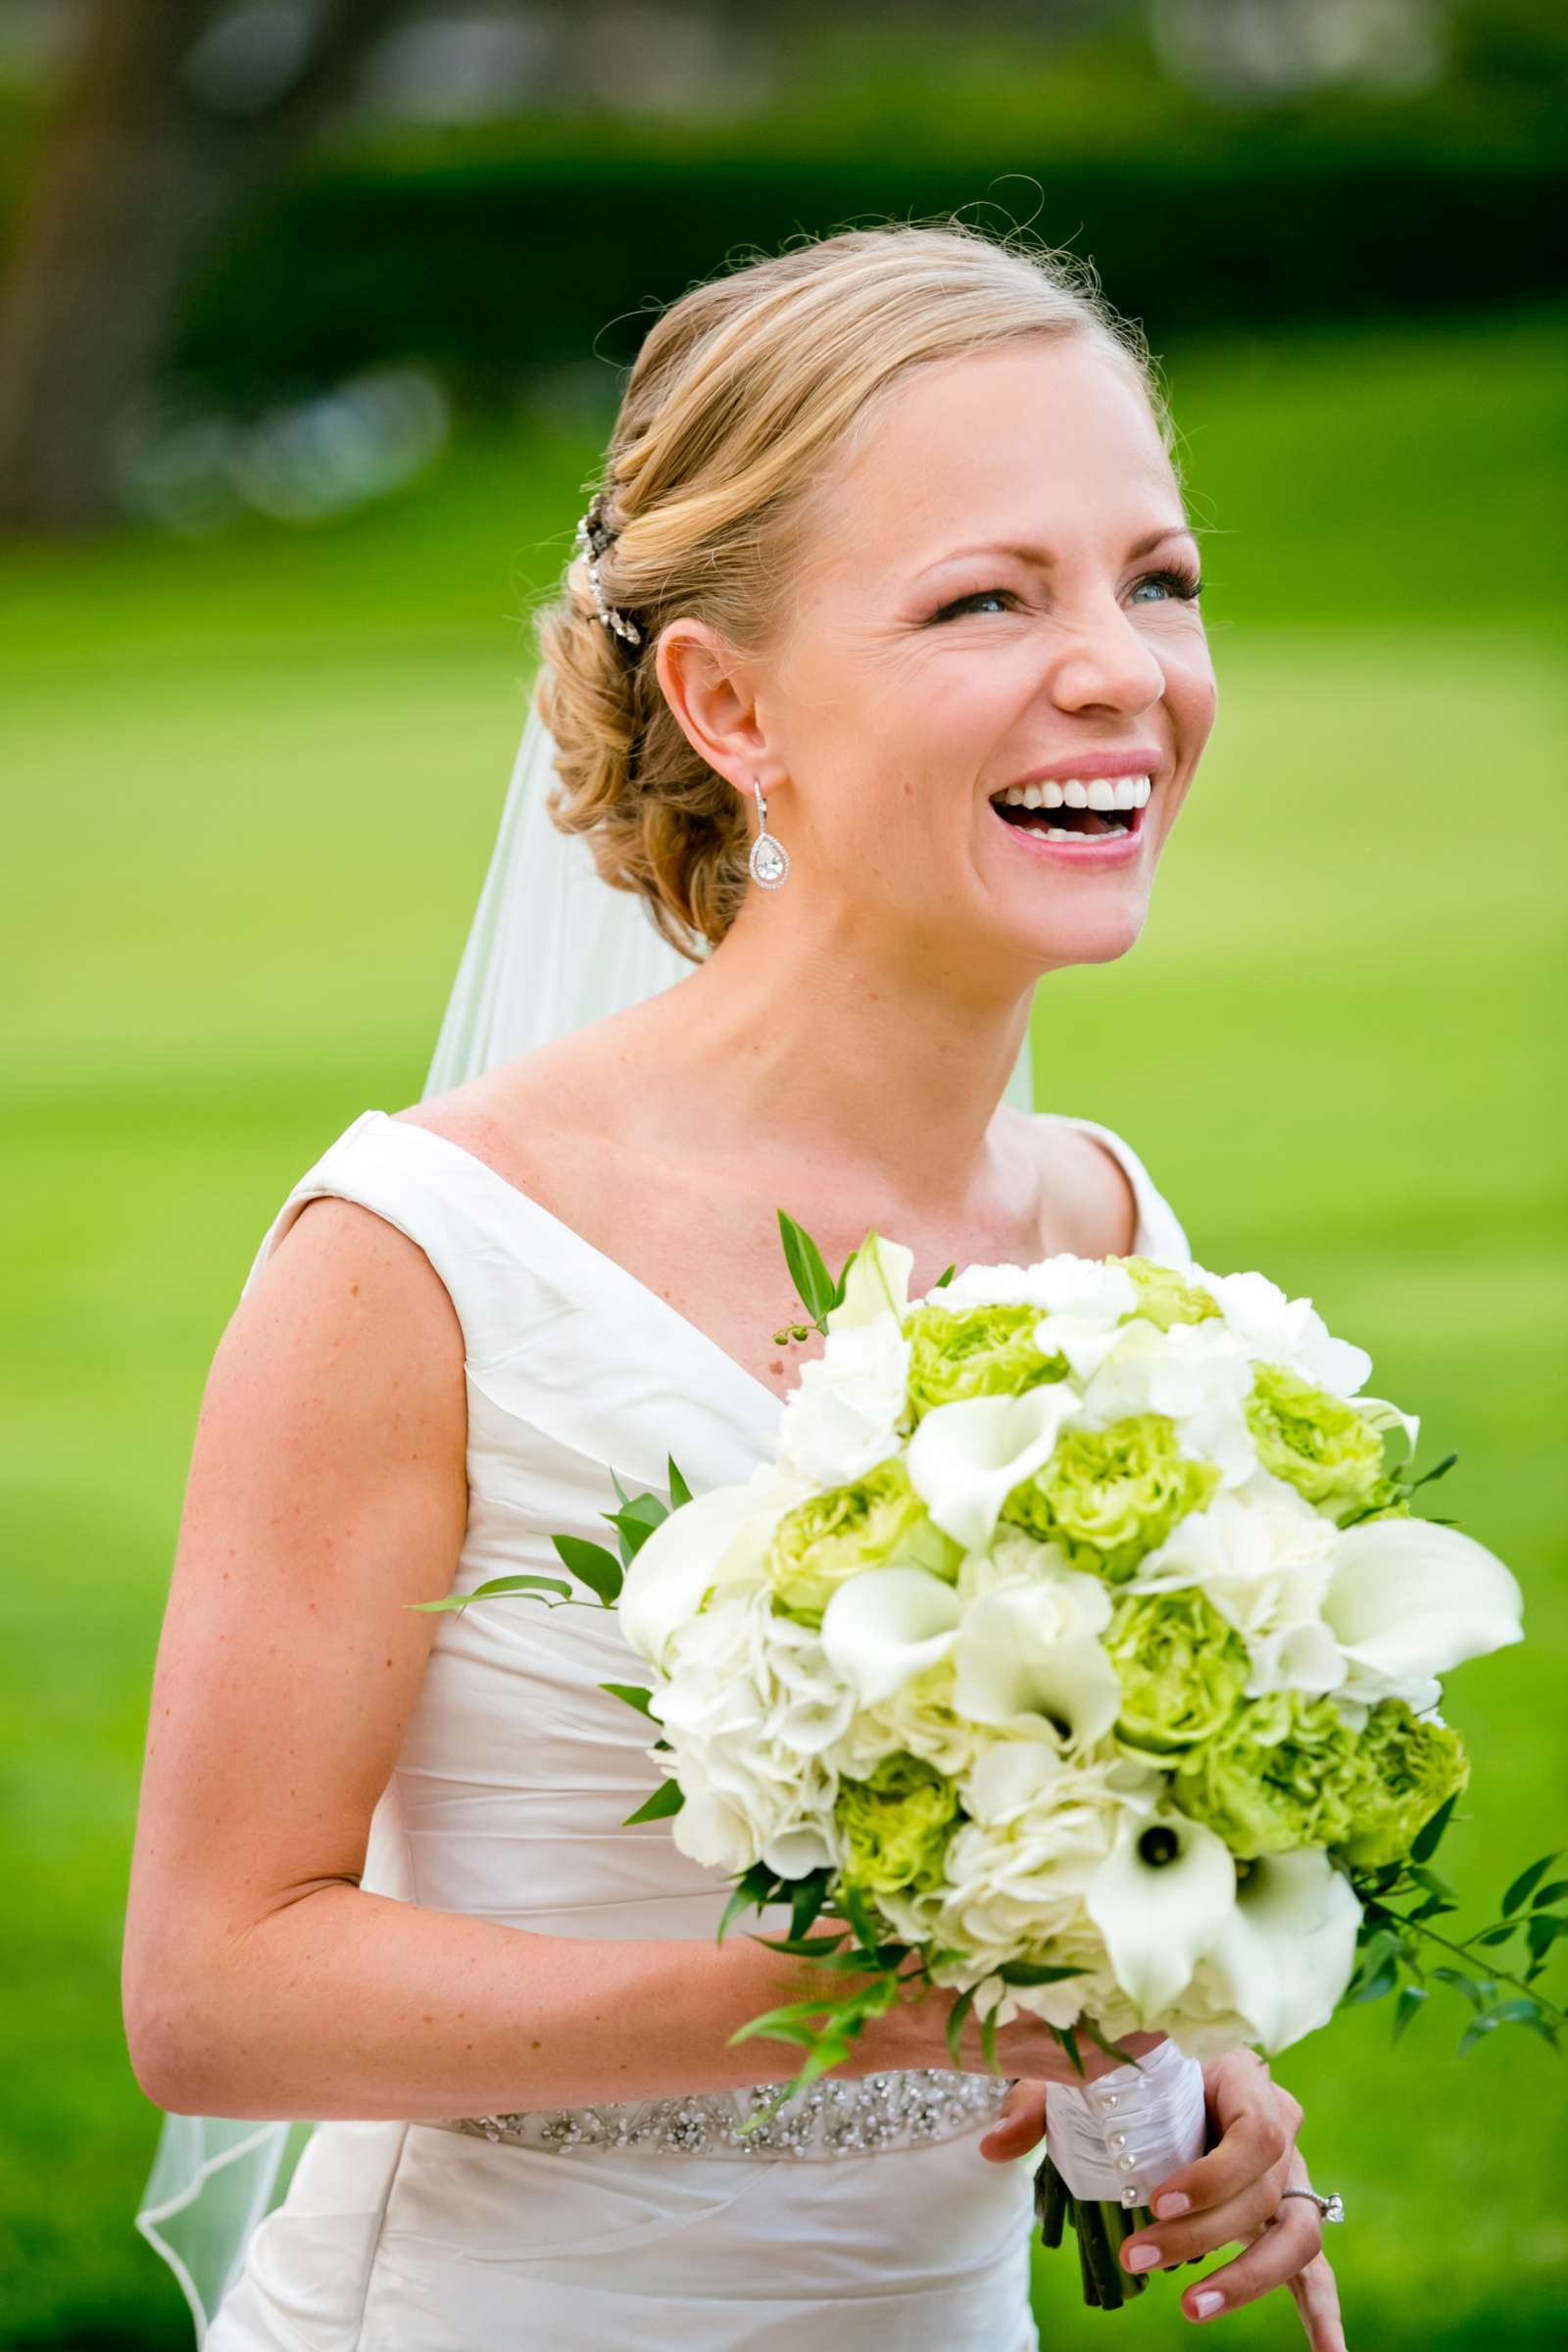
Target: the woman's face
(1004, 587)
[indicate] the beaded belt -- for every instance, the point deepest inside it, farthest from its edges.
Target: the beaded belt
(831, 2117)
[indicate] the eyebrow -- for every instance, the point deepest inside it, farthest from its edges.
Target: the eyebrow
(1043, 557)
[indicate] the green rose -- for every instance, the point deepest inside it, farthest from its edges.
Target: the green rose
(1181, 1667)
(1109, 1496)
(1408, 1767)
(1317, 1443)
(1282, 1773)
(959, 1351)
(874, 1522)
(894, 1827)
(1162, 1296)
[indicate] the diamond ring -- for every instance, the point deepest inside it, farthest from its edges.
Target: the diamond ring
(1330, 2206)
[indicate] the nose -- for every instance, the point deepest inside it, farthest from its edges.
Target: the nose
(1102, 659)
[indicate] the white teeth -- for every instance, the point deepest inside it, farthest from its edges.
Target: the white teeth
(1098, 792)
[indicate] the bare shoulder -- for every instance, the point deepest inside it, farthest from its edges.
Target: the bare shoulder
(1087, 1202)
(498, 1113)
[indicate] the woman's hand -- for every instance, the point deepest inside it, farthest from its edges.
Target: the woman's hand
(1231, 2194)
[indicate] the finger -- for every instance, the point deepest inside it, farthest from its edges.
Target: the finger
(1293, 2240)
(1254, 2143)
(1317, 2299)
(1020, 2125)
(1212, 2227)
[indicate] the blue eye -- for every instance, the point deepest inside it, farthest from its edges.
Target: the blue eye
(1182, 585)
(979, 596)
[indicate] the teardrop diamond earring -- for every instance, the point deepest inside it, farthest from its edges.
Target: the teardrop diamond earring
(769, 859)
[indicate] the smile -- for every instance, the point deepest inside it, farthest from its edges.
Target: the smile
(1088, 816)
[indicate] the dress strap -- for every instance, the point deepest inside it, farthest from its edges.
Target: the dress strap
(449, 1209)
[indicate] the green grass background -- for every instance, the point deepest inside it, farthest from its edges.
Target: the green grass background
(252, 786)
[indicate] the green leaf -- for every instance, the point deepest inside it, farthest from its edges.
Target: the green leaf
(944, 1278)
(1068, 2035)
(803, 1948)
(599, 1569)
(634, 1694)
(1030, 1972)
(808, 1269)
(1425, 1844)
(853, 1903)
(1462, 1984)
(956, 2016)
(988, 2038)
(1527, 1882)
(530, 1585)
(755, 1887)
(669, 1798)
(1542, 1930)
(1435, 1886)
(1548, 1894)
(1474, 2031)
(1373, 1988)
(679, 1491)
(806, 1899)
(1411, 1999)
(634, 1525)
(1086, 2025)
(1429, 1477)
(1498, 1935)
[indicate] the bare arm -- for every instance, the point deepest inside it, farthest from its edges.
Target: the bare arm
(328, 1488)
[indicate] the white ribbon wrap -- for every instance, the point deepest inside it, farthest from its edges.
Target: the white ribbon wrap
(1121, 2135)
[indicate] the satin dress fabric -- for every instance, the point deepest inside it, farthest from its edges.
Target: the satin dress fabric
(507, 1802)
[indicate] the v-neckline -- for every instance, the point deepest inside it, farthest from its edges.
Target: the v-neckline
(591, 1253)
(594, 1255)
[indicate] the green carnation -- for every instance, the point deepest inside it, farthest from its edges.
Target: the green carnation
(1408, 1767)
(894, 1827)
(1317, 1443)
(1181, 1667)
(1109, 1496)
(1162, 1296)
(959, 1351)
(1281, 1774)
(872, 1522)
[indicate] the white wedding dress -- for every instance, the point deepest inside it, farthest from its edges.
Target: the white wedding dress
(869, 2218)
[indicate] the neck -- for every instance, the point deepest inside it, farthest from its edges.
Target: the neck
(881, 1069)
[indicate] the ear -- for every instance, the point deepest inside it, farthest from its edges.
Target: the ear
(712, 693)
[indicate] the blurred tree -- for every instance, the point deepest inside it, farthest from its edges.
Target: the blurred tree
(174, 116)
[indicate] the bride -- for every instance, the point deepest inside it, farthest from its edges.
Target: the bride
(873, 693)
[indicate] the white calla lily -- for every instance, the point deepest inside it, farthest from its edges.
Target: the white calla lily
(1285, 1952)
(887, 1625)
(877, 1282)
(1160, 1901)
(716, 1539)
(1384, 1413)
(964, 1460)
(1029, 1658)
(1406, 1599)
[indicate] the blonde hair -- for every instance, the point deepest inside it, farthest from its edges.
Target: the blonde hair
(741, 393)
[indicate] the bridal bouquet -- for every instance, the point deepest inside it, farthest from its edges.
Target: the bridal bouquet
(1076, 1653)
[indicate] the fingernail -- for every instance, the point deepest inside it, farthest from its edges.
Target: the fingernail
(1142, 2258)
(1167, 2208)
(1207, 2303)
